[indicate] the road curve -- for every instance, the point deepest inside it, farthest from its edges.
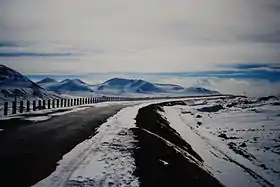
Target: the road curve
(30, 151)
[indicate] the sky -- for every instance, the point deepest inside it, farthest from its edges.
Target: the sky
(231, 46)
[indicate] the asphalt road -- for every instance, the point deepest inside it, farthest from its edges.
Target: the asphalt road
(29, 152)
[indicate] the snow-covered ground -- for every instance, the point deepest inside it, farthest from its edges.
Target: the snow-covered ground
(238, 139)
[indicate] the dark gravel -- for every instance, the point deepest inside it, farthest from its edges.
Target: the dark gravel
(159, 163)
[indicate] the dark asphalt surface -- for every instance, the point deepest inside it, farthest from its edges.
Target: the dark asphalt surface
(30, 151)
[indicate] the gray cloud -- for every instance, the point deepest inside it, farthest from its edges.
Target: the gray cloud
(32, 54)
(273, 37)
(8, 44)
(138, 36)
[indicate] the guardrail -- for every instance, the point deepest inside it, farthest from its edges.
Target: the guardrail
(12, 108)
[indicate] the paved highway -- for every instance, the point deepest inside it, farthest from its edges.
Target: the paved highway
(30, 151)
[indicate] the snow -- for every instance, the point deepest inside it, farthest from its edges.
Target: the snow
(111, 161)
(38, 118)
(69, 111)
(241, 124)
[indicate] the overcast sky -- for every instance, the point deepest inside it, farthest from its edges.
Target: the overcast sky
(70, 37)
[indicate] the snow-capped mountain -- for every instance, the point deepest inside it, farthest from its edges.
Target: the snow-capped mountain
(12, 84)
(128, 86)
(46, 81)
(120, 86)
(199, 90)
(65, 86)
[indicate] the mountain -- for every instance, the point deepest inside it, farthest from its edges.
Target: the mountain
(46, 81)
(170, 87)
(132, 86)
(13, 83)
(120, 86)
(199, 90)
(65, 86)
(127, 86)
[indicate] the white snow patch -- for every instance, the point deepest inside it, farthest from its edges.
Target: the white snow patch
(69, 111)
(164, 162)
(38, 118)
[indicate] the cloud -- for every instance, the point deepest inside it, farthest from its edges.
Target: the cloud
(273, 37)
(33, 54)
(142, 36)
(211, 39)
(254, 66)
(8, 44)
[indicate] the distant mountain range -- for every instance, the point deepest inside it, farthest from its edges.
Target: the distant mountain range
(13, 83)
(65, 86)
(119, 86)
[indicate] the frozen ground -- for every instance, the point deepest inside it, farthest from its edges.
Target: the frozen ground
(238, 139)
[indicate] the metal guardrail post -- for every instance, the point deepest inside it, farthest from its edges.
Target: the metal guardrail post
(49, 104)
(53, 103)
(14, 107)
(44, 104)
(61, 103)
(34, 105)
(40, 105)
(6, 105)
(27, 106)
(21, 106)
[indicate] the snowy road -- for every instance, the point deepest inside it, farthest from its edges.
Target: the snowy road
(103, 160)
(30, 150)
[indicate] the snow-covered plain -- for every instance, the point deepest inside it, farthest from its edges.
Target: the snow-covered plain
(238, 139)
